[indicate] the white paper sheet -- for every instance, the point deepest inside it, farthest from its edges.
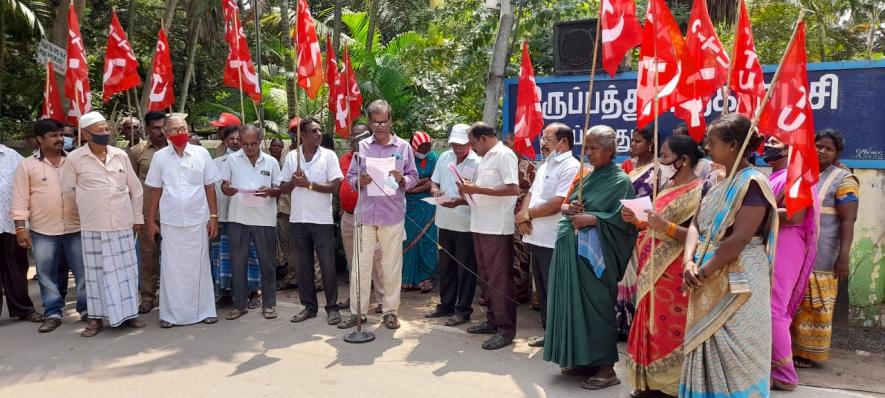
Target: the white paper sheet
(379, 169)
(434, 200)
(638, 206)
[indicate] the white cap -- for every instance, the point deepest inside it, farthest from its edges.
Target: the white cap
(459, 134)
(90, 119)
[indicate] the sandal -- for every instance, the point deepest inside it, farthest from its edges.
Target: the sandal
(255, 301)
(803, 363)
(496, 342)
(134, 323)
(426, 286)
(166, 325)
(269, 313)
(456, 320)
(379, 310)
(235, 314)
(579, 371)
(33, 317)
(92, 328)
(779, 385)
(391, 322)
(598, 383)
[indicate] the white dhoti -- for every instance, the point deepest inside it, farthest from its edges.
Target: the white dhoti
(186, 291)
(111, 269)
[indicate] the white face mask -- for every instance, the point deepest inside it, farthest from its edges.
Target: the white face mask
(420, 155)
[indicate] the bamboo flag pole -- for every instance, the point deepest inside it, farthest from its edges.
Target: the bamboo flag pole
(656, 171)
(295, 96)
(587, 112)
(754, 123)
(76, 106)
(236, 18)
(725, 89)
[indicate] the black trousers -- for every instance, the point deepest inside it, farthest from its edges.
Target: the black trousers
(457, 285)
(306, 239)
(541, 259)
(14, 277)
(265, 240)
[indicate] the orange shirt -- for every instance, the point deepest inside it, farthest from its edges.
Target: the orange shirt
(108, 195)
(37, 196)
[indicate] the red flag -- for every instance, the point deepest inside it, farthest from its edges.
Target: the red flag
(239, 72)
(310, 60)
(348, 99)
(788, 117)
(51, 102)
(529, 120)
(665, 54)
(620, 32)
(161, 95)
(354, 95)
(120, 64)
(707, 50)
(77, 74)
(746, 78)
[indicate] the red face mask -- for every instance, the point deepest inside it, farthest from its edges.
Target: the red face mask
(179, 140)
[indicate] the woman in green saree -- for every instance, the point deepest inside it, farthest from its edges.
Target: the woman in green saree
(727, 349)
(593, 246)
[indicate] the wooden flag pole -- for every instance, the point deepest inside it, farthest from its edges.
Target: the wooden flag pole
(753, 125)
(580, 184)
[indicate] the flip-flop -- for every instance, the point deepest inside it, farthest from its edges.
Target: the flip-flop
(802, 363)
(598, 383)
(91, 331)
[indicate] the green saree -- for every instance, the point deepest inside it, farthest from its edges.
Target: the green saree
(582, 328)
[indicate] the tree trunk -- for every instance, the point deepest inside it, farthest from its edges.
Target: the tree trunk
(373, 16)
(822, 30)
(497, 64)
(131, 22)
(194, 29)
(291, 87)
(166, 22)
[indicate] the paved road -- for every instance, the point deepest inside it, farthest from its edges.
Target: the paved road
(254, 357)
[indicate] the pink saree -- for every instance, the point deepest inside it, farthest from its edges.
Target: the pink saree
(794, 260)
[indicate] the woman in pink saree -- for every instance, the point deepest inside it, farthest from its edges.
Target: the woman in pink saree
(795, 253)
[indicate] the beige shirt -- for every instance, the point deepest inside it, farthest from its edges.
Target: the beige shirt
(37, 197)
(108, 195)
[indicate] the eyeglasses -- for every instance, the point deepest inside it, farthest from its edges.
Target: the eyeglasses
(380, 123)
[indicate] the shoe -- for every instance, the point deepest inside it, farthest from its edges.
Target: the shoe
(302, 316)
(333, 318)
(438, 313)
(49, 324)
(483, 328)
(391, 322)
(234, 314)
(33, 317)
(536, 342)
(350, 322)
(166, 325)
(211, 320)
(497, 341)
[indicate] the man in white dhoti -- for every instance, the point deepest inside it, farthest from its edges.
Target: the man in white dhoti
(109, 200)
(181, 179)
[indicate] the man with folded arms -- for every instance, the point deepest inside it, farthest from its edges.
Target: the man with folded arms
(109, 200)
(181, 180)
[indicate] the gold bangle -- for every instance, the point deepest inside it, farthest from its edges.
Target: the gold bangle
(213, 216)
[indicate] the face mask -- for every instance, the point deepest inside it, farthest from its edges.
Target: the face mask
(179, 140)
(420, 155)
(772, 154)
(101, 139)
(671, 169)
(69, 143)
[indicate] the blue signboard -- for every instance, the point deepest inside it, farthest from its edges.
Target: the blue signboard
(846, 96)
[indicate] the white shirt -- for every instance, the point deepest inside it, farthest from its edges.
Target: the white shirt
(9, 160)
(183, 180)
(458, 218)
(308, 206)
(493, 215)
(222, 201)
(245, 208)
(553, 178)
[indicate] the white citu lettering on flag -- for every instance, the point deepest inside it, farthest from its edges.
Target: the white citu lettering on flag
(620, 32)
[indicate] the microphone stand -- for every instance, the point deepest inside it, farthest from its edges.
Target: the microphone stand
(359, 336)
